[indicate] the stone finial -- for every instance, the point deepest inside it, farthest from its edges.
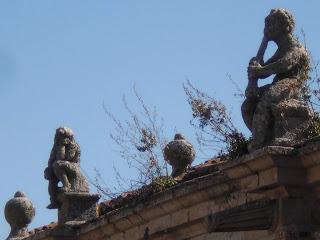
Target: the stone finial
(74, 202)
(276, 113)
(180, 154)
(19, 212)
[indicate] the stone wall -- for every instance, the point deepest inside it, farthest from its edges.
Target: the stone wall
(269, 194)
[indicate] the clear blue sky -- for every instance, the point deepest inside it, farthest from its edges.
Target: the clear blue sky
(60, 60)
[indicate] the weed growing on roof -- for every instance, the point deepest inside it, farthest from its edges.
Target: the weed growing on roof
(213, 124)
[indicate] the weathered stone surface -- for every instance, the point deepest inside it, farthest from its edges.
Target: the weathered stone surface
(64, 167)
(275, 188)
(19, 212)
(77, 208)
(253, 216)
(180, 154)
(74, 202)
(275, 113)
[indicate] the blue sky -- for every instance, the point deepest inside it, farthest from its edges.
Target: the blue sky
(60, 60)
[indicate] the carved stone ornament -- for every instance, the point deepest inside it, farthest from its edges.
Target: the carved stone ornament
(19, 212)
(64, 167)
(74, 202)
(276, 113)
(180, 154)
(253, 216)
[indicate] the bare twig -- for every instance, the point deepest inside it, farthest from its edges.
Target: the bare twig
(140, 140)
(213, 124)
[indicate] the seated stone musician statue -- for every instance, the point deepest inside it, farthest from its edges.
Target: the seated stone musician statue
(64, 167)
(275, 113)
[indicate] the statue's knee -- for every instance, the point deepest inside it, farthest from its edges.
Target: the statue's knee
(55, 166)
(245, 106)
(249, 104)
(248, 108)
(58, 167)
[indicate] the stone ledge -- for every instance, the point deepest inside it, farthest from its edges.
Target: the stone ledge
(268, 173)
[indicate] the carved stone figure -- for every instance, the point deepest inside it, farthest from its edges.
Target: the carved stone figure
(19, 212)
(275, 113)
(64, 167)
(180, 154)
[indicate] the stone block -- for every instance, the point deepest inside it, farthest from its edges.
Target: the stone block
(77, 207)
(123, 224)
(199, 211)
(180, 217)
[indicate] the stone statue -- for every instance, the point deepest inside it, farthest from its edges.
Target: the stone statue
(180, 154)
(275, 113)
(19, 212)
(64, 167)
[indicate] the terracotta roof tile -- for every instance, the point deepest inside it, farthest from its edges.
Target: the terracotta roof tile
(137, 195)
(52, 225)
(132, 197)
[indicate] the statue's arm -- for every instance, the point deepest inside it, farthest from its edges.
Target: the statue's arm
(273, 66)
(48, 172)
(268, 62)
(61, 153)
(282, 65)
(273, 59)
(73, 153)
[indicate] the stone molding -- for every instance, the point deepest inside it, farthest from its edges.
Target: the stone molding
(278, 174)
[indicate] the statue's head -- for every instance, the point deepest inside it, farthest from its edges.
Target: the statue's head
(278, 23)
(64, 135)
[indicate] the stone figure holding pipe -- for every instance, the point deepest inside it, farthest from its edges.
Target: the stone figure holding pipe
(276, 113)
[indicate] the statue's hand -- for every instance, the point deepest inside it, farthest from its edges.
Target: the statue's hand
(254, 70)
(253, 61)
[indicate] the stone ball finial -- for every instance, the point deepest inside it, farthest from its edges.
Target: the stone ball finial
(179, 153)
(19, 212)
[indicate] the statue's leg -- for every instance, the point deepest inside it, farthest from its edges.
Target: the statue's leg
(53, 191)
(248, 108)
(261, 125)
(59, 168)
(263, 122)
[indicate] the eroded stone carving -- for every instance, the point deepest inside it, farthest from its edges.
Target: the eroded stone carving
(74, 202)
(275, 113)
(64, 167)
(19, 212)
(180, 154)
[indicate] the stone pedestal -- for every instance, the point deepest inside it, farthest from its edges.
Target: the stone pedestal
(77, 207)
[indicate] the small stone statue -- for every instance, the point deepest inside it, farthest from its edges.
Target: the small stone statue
(275, 113)
(180, 154)
(64, 167)
(19, 212)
